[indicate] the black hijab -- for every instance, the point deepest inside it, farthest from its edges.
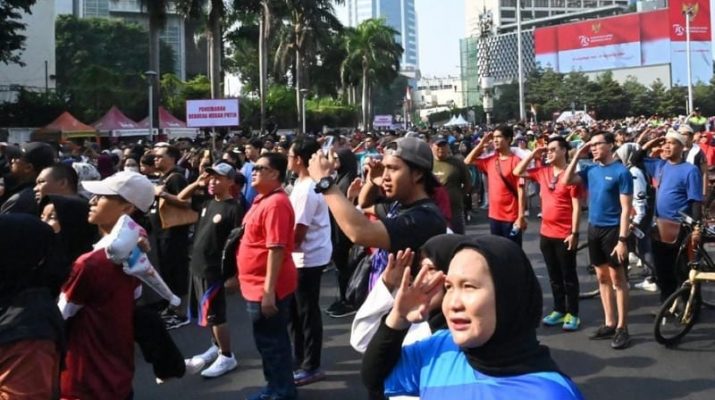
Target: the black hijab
(25, 243)
(348, 169)
(513, 349)
(440, 249)
(76, 234)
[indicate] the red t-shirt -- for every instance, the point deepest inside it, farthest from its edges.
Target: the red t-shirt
(268, 223)
(503, 205)
(708, 149)
(100, 337)
(556, 206)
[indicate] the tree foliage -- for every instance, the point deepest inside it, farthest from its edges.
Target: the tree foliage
(12, 41)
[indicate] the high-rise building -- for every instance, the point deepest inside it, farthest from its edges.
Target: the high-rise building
(398, 14)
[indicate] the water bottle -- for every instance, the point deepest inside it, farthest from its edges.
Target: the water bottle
(514, 230)
(637, 232)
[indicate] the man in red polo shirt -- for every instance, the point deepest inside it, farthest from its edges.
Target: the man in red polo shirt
(267, 274)
(506, 195)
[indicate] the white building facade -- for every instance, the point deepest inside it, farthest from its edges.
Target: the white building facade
(434, 92)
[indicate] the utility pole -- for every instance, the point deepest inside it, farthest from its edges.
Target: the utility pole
(520, 56)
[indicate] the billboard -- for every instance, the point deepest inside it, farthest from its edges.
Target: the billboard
(631, 40)
(211, 113)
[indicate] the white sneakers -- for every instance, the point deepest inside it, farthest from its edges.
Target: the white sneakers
(220, 364)
(648, 285)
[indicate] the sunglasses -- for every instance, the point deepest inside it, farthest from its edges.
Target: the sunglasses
(259, 168)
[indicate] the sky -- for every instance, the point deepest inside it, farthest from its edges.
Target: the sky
(440, 26)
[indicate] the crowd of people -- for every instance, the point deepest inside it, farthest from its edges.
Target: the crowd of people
(433, 308)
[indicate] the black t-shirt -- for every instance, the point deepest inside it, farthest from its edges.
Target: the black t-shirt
(216, 221)
(413, 224)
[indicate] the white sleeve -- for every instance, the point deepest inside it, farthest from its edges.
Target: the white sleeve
(67, 309)
(304, 203)
(640, 199)
(378, 303)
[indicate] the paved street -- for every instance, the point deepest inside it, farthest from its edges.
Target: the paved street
(646, 370)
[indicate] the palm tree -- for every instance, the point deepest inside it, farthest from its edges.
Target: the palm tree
(372, 46)
(214, 12)
(310, 23)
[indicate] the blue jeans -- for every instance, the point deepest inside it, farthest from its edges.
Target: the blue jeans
(503, 229)
(273, 342)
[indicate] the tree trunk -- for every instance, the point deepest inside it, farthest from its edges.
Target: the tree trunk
(365, 111)
(154, 65)
(216, 52)
(263, 63)
(298, 97)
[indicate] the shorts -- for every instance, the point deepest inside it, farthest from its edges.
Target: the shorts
(207, 301)
(601, 242)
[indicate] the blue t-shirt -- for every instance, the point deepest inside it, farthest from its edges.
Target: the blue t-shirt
(249, 193)
(436, 369)
(605, 185)
(678, 185)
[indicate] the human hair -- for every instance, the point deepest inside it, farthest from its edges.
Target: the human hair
(148, 159)
(608, 137)
(63, 171)
(256, 143)
(562, 143)
(506, 131)
(173, 152)
(277, 161)
(428, 180)
(304, 147)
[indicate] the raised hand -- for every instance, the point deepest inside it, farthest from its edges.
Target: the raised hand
(396, 264)
(413, 298)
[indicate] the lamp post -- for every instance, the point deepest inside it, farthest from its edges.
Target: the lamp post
(519, 58)
(150, 75)
(303, 94)
(486, 22)
(689, 13)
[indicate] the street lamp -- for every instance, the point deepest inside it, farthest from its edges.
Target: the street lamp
(486, 23)
(150, 76)
(689, 13)
(303, 94)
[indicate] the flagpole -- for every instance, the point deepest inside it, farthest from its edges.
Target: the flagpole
(520, 49)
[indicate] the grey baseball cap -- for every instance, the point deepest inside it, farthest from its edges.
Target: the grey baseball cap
(412, 150)
(223, 169)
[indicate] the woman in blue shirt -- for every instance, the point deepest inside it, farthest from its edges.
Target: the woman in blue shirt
(492, 306)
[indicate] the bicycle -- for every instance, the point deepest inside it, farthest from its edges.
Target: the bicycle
(681, 310)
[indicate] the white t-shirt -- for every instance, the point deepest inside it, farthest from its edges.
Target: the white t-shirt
(312, 211)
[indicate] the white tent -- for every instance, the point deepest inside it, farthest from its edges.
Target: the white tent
(457, 121)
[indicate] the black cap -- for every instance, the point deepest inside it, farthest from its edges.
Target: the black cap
(38, 154)
(439, 140)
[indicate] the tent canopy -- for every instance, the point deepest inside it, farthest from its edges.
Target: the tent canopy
(166, 120)
(66, 126)
(574, 117)
(457, 121)
(114, 119)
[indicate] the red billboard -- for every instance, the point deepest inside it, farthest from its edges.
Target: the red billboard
(699, 25)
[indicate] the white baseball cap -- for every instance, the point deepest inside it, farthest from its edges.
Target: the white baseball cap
(131, 186)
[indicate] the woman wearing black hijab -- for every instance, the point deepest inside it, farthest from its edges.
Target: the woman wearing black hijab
(492, 306)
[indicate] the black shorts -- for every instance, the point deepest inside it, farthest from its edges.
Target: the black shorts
(207, 301)
(601, 242)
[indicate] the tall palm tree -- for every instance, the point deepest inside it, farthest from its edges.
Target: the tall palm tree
(372, 46)
(309, 23)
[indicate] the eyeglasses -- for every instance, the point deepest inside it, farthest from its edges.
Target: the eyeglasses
(551, 149)
(598, 143)
(259, 168)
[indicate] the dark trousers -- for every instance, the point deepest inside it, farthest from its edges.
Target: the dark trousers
(341, 258)
(503, 229)
(667, 274)
(273, 343)
(306, 325)
(157, 345)
(561, 265)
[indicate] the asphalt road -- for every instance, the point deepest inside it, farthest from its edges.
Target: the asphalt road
(645, 371)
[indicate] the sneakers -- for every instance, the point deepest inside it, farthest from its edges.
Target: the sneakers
(340, 309)
(648, 285)
(302, 377)
(221, 366)
(175, 321)
(571, 323)
(553, 319)
(621, 339)
(196, 363)
(603, 332)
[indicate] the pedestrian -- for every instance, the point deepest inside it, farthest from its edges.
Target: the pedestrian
(610, 192)
(267, 274)
(26, 163)
(251, 151)
(454, 177)
(490, 349)
(98, 299)
(207, 296)
(312, 254)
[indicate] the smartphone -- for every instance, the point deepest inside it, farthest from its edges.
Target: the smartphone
(327, 144)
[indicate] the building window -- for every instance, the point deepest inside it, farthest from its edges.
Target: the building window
(541, 3)
(508, 14)
(508, 3)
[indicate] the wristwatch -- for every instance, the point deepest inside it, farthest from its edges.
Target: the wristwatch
(324, 184)
(622, 239)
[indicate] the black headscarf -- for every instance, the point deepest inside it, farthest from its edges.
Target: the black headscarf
(76, 234)
(348, 169)
(513, 349)
(440, 249)
(25, 243)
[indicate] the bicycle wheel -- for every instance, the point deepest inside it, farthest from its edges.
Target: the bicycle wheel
(675, 318)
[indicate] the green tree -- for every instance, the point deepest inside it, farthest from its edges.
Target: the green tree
(372, 46)
(609, 100)
(175, 92)
(12, 41)
(641, 102)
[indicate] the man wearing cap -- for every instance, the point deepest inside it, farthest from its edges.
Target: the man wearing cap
(696, 121)
(406, 215)
(26, 162)
(98, 299)
(693, 154)
(454, 176)
(207, 299)
(678, 187)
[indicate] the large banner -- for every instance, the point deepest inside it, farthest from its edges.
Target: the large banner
(631, 40)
